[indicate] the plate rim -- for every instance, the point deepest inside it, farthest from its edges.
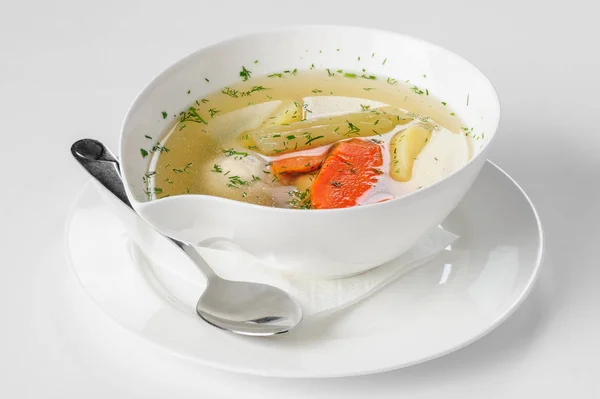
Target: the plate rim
(279, 373)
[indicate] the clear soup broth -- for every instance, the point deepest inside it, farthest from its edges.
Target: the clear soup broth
(314, 139)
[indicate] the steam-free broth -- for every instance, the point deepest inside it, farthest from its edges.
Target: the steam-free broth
(309, 140)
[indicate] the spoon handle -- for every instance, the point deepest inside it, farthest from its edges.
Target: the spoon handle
(99, 162)
(102, 165)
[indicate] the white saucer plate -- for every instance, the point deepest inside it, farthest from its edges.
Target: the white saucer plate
(451, 301)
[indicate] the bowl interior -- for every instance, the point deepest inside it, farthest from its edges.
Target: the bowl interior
(445, 75)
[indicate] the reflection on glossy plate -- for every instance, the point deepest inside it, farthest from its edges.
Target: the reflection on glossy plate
(442, 306)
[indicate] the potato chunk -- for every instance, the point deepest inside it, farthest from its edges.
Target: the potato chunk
(405, 147)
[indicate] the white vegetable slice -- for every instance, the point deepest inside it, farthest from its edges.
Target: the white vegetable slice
(405, 148)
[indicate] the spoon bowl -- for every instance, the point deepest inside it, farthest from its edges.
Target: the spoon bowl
(240, 307)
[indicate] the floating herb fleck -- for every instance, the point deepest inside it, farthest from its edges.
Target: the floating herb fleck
(213, 112)
(416, 90)
(191, 116)
(164, 115)
(352, 128)
(236, 181)
(231, 152)
(468, 131)
(158, 148)
(252, 90)
(230, 92)
(217, 168)
(311, 139)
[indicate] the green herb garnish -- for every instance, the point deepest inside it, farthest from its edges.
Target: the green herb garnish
(236, 181)
(213, 112)
(245, 74)
(164, 115)
(158, 148)
(416, 90)
(230, 152)
(217, 168)
(191, 116)
(300, 199)
(230, 92)
(253, 89)
(311, 139)
(352, 128)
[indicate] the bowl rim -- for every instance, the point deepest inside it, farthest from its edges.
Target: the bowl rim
(155, 80)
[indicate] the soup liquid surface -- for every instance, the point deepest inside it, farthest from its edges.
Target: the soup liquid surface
(213, 147)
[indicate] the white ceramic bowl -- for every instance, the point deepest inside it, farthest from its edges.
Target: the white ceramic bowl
(311, 243)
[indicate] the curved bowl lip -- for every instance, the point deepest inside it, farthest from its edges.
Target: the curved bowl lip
(415, 194)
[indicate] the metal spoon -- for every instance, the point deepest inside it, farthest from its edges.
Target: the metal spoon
(240, 307)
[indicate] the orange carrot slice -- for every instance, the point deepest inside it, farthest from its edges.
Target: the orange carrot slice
(301, 164)
(349, 171)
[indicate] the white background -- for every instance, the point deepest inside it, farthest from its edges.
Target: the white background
(70, 69)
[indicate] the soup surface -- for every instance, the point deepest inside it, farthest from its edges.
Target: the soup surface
(308, 140)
